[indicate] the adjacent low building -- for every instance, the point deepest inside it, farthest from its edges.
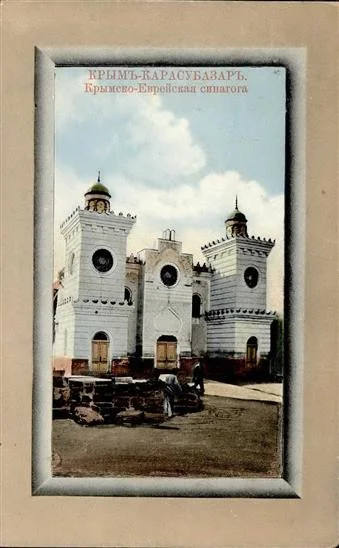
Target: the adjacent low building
(158, 310)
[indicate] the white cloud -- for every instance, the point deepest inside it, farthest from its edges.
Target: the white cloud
(204, 206)
(161, 143)
(141, 137)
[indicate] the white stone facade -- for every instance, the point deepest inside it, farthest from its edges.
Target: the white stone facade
(157, 305)
(92, 301)
(238, 301)
(230, 259)
(228, 334)
(166, 310)
(84, 233)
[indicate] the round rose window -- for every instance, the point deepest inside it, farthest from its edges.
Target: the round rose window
(102, 260)
(251, 276)
(169, 275)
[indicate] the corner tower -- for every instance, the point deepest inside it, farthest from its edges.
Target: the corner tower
(238, 324)
(92, 315)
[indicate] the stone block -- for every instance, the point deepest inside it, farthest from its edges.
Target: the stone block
(87, 416)
(61, 397)
(130, 416)
(80, 367)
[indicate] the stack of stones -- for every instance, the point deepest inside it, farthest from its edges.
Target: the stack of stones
(90, 399)
(189, 401)
(61, 396)
(93, 400)
(141, 396)
(150, 396)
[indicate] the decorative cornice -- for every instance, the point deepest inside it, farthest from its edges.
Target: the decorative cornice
(255, 239)
(202, 268)
(95, 215)
(133, 259)
(223, 313)
(70, 217)
(103, 302)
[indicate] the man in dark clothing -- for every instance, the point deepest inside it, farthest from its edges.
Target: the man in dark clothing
(198, 377)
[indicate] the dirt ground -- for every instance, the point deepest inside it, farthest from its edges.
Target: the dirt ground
(229, 437)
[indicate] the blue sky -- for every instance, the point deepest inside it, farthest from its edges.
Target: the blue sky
(177, 159)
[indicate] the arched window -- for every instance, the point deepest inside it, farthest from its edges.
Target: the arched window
(128, 295)
(251, 350)
(100, 336)
(196, 306)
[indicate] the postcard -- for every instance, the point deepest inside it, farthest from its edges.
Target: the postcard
(169, 271)
(146, 151)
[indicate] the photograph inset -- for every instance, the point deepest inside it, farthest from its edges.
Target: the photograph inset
(169, 266)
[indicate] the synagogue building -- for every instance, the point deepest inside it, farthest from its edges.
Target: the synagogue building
(158, 310)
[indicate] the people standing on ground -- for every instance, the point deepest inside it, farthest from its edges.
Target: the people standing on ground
(198, 377)
(172, 388)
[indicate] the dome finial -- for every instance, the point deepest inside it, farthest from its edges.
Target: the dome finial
(97, 196)
(236, 222)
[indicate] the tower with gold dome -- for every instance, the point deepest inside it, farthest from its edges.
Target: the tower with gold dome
(92, 315)
(238, 324)
(97, 198)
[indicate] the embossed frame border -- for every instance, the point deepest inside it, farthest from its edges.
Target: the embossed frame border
(139, 521)
(47, 60)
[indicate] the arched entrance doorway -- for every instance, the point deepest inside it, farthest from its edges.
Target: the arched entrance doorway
(251, 351)
(100, 347)
(166, 352)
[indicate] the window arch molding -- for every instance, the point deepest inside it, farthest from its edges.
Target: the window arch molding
(100, 336)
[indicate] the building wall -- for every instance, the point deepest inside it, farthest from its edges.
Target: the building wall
(201, 287)
(166, 310)
(228, 336)
(111, 320)
(259, 328)
(223, 259)
(247, 297)
(220, 337)
(230, 259)
(132, 283)
(109, 232)
(140, 311)
(91, 301)
(73, 242)
(82, 321)
(64, 328)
